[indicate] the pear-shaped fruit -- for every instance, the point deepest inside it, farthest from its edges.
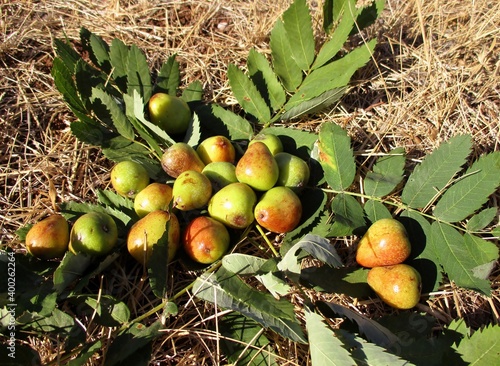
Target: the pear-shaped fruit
(279, 210)
(93, 233)
(48, 238)
(385, 243)
(273, 142)
(129, 178)
(146, 233)
(180, 157)
(156, 196)
(233, 205)
(398, 286)
(205, 240)
(191, 190)
(257, 167)
(170, 113)
(216, 148)
(294, 172)
(220, 173)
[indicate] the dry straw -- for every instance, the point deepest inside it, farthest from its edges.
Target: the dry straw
(434, 74)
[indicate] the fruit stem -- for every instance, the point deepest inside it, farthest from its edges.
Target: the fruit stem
(266, 239)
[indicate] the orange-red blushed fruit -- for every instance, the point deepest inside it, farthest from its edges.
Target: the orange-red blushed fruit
(205, 240)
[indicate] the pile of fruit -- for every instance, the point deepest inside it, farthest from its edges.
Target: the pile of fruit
(214, 189)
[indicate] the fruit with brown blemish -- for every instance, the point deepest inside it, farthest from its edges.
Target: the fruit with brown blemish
(179, 158)
(233, 205)
(192, 190)
(257, 167)
(279, 210)
(129, 178)
(216, 148)
(48, 238)
(205, 240)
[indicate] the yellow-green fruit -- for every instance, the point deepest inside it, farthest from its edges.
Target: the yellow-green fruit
(257, 167)
(170, 113)
(385, 243)
(129, 178)
(192, 190)
(220, 173)
(294, 172)
(273, 142)
(233, 205)
(216, 148)
(398, 286)
(156, 196)
(205, 240)
(279, 210)
(146, 233)
(179, 158)
(93, 233)
(48, 238)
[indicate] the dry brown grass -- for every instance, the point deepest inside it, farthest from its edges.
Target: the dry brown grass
(435, 74)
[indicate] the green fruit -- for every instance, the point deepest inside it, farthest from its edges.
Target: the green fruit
(216, 148)
(48, 238)
(191, 191)
(273, 142)
(233, 205)
(205, 240)
(398, 286)
(129, 178)
(293, 171)
(180, 157)
(146, 233)
(170, 113)
(220, 173)
(156, 196)
(257, 167)
(279, 210)
(385, 243)
(93, 233)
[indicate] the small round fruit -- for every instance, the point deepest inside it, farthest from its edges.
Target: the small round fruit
(216, 148)
(49, 238)
(205, 240)
(192, 190)
(233, 205)
(170, 113)
(273, 142)
(129, 178)
(293, 171)
(146, 233)
(279, 210)
(93, 233)
(156, 196)
(220, 173)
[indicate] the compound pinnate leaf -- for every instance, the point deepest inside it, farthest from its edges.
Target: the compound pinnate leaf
(118, 117)
(470, 192)
(387, 173)
(462, 258)
(325, 348)
(436, 171)
(247, 94)
(220, 121)
(226, 290)
(63, 80)
(298, 26)
(284, 66)
(336, 156)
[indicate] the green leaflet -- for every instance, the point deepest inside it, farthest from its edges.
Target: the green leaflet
(376, 210)
(193, 92)
(247, 94)
(315, 104)
(66, 54)
(336, 74)
(138, 76)
(266, 80)
(157, 265)
(435, 171)
(169, 76)
(63, 80)
(227, 290)
(325, 348)
(220, 121)
(295, 141)
(461, 257)
(482, 348)
(298, 27)
(118, 117)
(387, 173)
(118, 55)
(285, 66)
(193, 133)
(338, 38)
(470, 192)
(336, 156)
(482, 219)
(349, 215)
(244, 341)
(97, 49)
